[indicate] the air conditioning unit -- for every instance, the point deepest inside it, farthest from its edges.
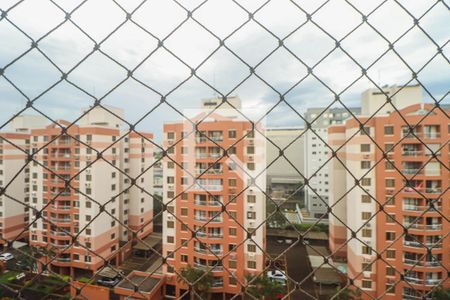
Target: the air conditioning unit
(366, 274)
(170, 217)
(368, 225)
(251, 255)
(251, 207)
(88, 171)
(88, 185)
(170, 142)
(366, 156)
(250, 158)
(251, 223)
(368, 242)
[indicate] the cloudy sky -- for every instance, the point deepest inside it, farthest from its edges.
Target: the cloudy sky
(161, 72)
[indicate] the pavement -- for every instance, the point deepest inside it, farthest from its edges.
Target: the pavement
(297, 267)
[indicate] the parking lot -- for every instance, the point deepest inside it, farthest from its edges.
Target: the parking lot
(296, 266)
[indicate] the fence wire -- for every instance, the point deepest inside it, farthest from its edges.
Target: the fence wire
(295, 286)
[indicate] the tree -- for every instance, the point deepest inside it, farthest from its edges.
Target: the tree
(200, 280)
(441, 294)
(263, 287)
(347, 294)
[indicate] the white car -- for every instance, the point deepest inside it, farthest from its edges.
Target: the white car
(278, 276)
(6, 256)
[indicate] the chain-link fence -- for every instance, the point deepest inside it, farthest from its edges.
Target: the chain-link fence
(290, 192)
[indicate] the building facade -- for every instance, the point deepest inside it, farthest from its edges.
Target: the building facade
(14, 178)
(400, 205)
(90, 182)
(316, 153)
(210, 199)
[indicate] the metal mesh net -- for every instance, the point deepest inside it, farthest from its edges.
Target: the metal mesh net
(84, 54)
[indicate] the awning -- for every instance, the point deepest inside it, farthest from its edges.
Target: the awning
(149, 242)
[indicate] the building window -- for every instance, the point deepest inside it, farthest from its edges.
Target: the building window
(184, 258)
(365, 164)
(232, 231)
(251, 215)
(365, 215)
(390, 236)
(365, 131)
(365, 181)
(366, 284)
(365, 147)
(184, 211)
(388, 148)
(232, 182)
(367, 233)
(389, 165)
(390, 254)
(170, 224)
(390, 271)
(171, 135)
(251, 264)
(390, 218)
(232, 134)
(365, 267)
(251, 248)
(232, 264)
(184, 196)
(170, 179)
(366, 250)
(389, 130)
(170, 239)
(365, 198)
(390, 183)
(251, 199)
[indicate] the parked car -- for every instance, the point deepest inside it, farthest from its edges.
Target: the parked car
(277, 276)
(6, 256)
(109, 282)
(20, 276)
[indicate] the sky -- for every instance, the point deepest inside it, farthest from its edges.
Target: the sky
(278, 69)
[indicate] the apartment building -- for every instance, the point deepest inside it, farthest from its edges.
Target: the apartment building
(284, 174)
(210, 199)
(402, 251)
(87, 182)
(14, 147)
(316, 153)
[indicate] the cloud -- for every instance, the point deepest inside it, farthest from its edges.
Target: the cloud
(130, 45)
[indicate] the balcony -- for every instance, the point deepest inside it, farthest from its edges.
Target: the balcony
(431, 135)
(61, 220)
(412, 153)
(423, 226)
(409, 171)
(207, 203)
(413, 244)
(409, 207)
(208, 171)
(61, 207)
(207, 187)
(433, 190)
(414, 280)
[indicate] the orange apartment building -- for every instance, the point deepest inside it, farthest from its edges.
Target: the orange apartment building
(204, 223)
(79, 209)
(386, 260)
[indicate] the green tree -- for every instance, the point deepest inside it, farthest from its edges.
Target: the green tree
(347, 294)
(441, 294)
(262, 287)
(200, 280)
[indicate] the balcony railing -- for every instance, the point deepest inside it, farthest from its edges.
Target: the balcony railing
(423, 226)
(432, 135)
(436, 190)
(412, 153)
(59, 220)
(208, 187)
(413, 244)
(207, 203)
(412, 171)
(409, 207)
